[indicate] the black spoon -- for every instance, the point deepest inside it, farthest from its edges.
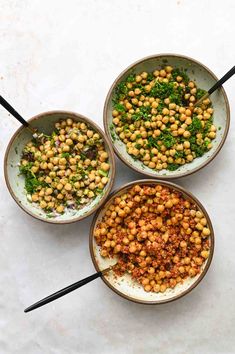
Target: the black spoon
(67, 290)
(15, 114)
(218, 84)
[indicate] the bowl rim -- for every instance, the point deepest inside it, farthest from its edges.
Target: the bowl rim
(144, 172)
(185, 193)
(111, 160)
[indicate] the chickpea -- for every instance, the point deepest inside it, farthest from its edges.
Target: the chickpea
(34, 197)
(105, 166)
(48, 191)
(147, 288)
(205, 231)
(34, 169)
(43, 204)
(183, 244)
(60, 209)
(205, 254)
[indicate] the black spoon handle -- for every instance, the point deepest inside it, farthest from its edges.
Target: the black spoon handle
(219, 83)
(65, 291)
(11, 110)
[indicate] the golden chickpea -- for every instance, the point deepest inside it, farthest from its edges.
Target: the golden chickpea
(165, 111)
(151, 164)
(156, 73)
(192, 272)
(199, 214)
(81, 138)
(61, 137)
(48, 179)
(34, 197)
(138, 78)
(186, 134)
(132, 249)
(48, 191)
(205, 254)
(198, 241)
(104, 180)
(188, 112)
(105, 166)
(183, 244)
(62, 161)
(162, 73)
(66, 148)
(147, 288)
(50, 205)
(43, 204)
(211, 135)
(206, 231)
(47, 198)
(188, 121)
(163, 288)
(69, 121)
(60, 209)
(34, 169)
(50, 153)
(199, 226)
(103, 156)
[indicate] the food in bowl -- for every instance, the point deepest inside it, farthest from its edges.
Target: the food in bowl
(158, 235)
(154, 116)
(67, 169)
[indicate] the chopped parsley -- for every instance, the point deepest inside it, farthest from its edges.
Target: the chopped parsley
(31, 181)
(112, 132)
(152, 142)
(98, 191)
(119, 107)
(196, 126)
(177, 72)
(172, 166)
(65, 154)
(167, 139)
(200, 93)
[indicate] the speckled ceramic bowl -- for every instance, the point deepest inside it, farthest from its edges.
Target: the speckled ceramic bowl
(44, 122)
(204, 79)
(125, 286)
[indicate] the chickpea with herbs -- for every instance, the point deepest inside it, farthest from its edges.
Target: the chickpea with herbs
(158, 237)
(154, 115)
(67, 169)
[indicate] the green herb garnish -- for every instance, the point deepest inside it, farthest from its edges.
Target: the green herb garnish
(172, 166)
(167, 139)
(65, 154)
(182, 73)
(119, 107)
(200, 93)
(196, 126)
(103, 173)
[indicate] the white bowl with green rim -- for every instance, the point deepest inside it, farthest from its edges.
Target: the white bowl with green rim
(124, 285)
(204, 79)
(45, 123)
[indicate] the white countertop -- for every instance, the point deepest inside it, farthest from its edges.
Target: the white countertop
(65, 55)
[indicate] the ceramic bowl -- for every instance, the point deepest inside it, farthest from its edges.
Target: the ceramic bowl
(125, 286)
(205, 79)
(44, 122)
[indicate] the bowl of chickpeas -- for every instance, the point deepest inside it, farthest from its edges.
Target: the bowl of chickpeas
(63, 174)
(156, 237)
(150, 117)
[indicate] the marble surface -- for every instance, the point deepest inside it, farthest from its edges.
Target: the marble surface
(65, 55)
